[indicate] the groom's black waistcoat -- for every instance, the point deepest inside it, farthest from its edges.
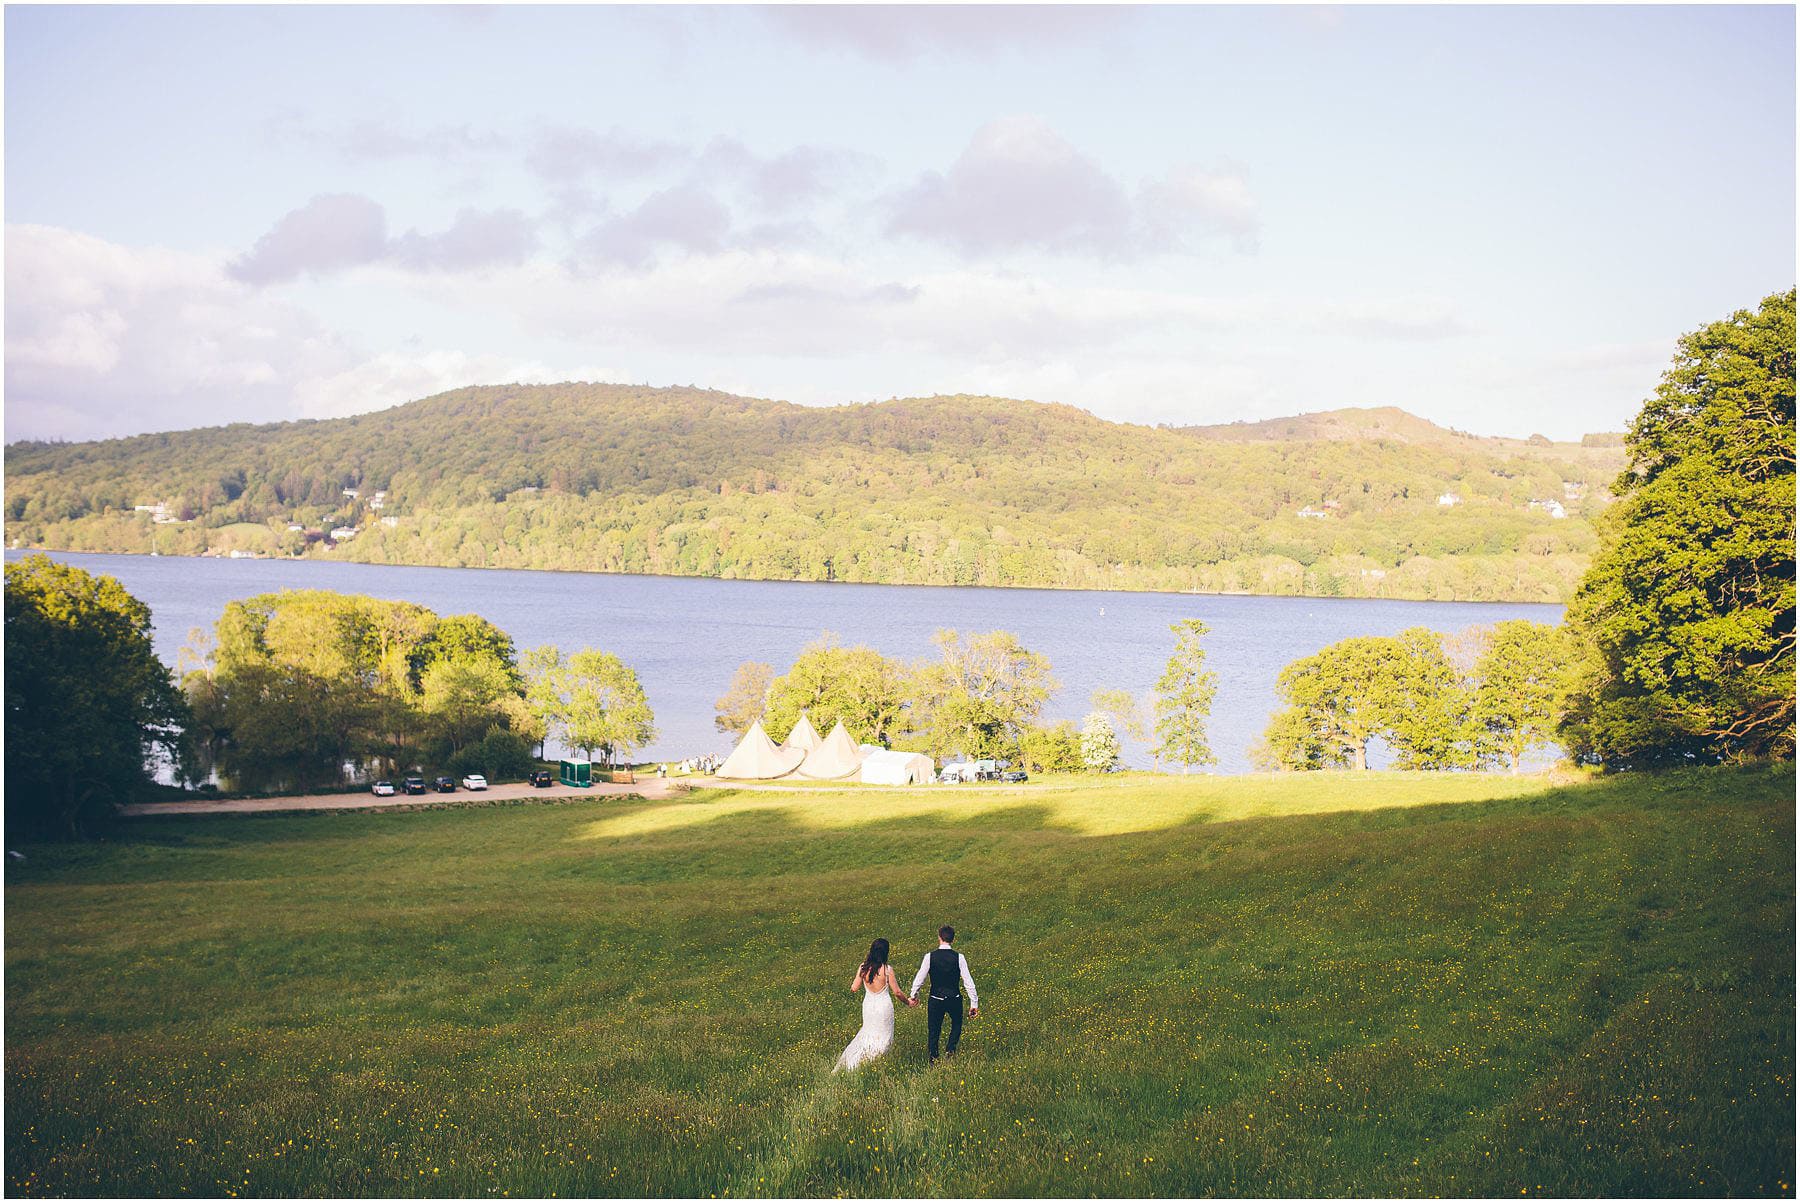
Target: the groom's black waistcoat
(946, 974)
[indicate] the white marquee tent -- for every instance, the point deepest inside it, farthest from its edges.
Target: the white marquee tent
(881, 766)
(836, 758)
(756, 758)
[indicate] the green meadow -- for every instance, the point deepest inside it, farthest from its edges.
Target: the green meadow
(1316, 984)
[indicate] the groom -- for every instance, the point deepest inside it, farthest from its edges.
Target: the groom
(949, 972)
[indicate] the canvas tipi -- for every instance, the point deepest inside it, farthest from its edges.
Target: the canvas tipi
(836, 757)
(803, 736)
(756, 758)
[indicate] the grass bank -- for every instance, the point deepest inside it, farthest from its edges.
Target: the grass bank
(1382, 984)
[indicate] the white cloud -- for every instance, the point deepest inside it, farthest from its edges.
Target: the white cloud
(1019, 185)
(103, 339)
(327, 233)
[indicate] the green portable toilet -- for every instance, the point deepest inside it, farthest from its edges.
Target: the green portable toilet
(578, 772)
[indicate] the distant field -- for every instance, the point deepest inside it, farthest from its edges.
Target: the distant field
(1317, 984)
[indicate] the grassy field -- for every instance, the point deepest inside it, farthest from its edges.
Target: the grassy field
(1323, 984)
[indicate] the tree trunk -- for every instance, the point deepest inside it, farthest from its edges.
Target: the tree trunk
(1361, 757)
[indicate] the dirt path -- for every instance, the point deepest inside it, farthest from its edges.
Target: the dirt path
(651, 789)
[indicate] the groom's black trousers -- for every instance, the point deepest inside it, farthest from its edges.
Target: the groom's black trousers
(935, 1010)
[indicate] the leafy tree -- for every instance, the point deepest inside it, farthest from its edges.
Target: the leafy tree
(1293, 743)
(297, 684)
(1099, 743)
(1184, 698)
(87, 701)
(541, 668)
(463, 699)
(1401, 688)
(1124, 709)
(603, 705)
(981, 695)
(1051, 749)
(858, 686)
(743, 702)
(466, 637)
(1519, 681)
(500, 755)
(1687, 613)
(1428, 723)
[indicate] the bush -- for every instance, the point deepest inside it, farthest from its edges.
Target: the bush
(501, 755)
(1054, 749)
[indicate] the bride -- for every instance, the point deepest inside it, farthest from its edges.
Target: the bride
(875, 977)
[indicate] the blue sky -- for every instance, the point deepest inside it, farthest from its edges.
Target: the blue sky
(1498, 218)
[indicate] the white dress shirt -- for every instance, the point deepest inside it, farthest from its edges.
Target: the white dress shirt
(962, 963)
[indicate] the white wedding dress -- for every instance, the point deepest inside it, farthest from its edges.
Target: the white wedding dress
(877, 1029)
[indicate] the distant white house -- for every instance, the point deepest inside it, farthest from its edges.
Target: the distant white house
(296, 526)
(353, 492)
(1550, 506)
(1449, 499)
(340, 533)
(390, 521)
(1573, 490)
(1310, 512)
(157, 510)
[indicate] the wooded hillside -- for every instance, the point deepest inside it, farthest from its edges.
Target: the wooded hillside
(941, 490)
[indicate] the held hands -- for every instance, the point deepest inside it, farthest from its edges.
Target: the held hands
(974, 1011)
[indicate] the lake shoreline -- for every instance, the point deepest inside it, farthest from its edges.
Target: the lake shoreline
(757, 580)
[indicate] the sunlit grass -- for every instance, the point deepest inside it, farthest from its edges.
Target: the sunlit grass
(1336, 984)
(1112, 805)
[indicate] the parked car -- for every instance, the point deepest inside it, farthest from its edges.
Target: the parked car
(413, 785)
(1014, 776)
(383, 789)
(542, 778)
(474, 781)
(443, 785)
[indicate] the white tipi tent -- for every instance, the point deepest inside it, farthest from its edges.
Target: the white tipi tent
(836, 757)
(756, 758)
(803, 736)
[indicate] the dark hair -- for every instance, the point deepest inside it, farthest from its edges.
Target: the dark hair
(876, 959)
(947, 934)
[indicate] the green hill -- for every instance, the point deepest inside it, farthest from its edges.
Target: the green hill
(941, 490)
(1315, 985)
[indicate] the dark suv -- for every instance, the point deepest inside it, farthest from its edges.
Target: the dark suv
(413, 785)
(542, 778)
(444, 785)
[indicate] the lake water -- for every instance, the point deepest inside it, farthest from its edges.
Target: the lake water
(686, 637)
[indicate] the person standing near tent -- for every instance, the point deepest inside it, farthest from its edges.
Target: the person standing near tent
(949, 973)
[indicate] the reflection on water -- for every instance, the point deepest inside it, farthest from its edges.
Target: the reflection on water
(685, 637)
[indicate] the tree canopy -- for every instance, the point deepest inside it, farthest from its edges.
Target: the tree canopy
(87, 701)
(1686, 617)
(1184, 698)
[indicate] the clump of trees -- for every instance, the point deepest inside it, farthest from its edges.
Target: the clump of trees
(88, 704)
(292, 687)
(1686, 618)
(1406, 691)
(592, 699)
(981, 696)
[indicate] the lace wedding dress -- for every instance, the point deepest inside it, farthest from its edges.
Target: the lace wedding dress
(877, 1029)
